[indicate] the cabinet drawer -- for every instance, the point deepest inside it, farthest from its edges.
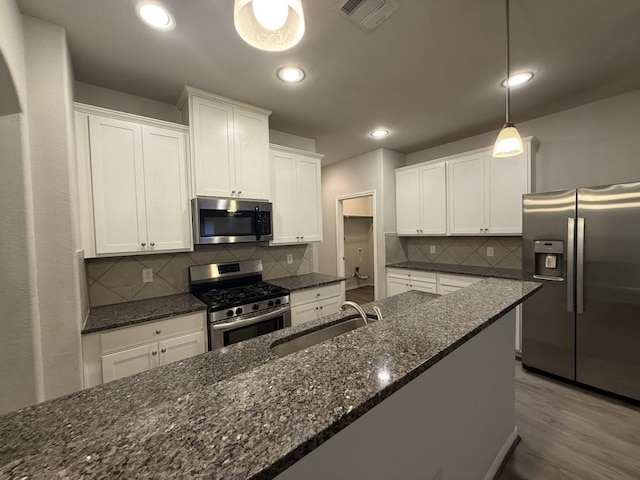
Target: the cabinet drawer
(313, 294)
(446, 289)
(412, 274)
(428, 287)
(152, 331)
(457, 280)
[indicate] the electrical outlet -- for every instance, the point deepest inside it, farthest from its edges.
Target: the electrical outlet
(147, 275)
(432, 249)
(489, 251)
(289, 258)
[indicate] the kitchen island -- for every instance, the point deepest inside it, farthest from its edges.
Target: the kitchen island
(240, 412)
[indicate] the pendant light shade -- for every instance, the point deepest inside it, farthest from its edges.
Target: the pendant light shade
(509, 142)
(271, 25)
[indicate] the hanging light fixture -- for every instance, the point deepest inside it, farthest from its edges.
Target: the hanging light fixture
(271, 25)
(508, 142)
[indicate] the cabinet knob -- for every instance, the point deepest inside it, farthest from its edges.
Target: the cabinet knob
(155, 352)
(320, 308)
(301, 238)
(317, 294)
(316, 308)
(163, 350)
(418, 231)
(239, 192)
(158, 332)
(233, 192)
(153, 244)
(144, 244)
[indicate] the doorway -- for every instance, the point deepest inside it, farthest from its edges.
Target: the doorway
(356, 228)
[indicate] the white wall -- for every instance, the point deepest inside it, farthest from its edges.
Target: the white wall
(593, 144)
(50, 96)
(368, 172)
(13, 91)
(293, 141)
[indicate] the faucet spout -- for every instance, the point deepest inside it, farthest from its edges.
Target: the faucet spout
(358, 308)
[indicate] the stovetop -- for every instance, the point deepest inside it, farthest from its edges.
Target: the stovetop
(221, 298)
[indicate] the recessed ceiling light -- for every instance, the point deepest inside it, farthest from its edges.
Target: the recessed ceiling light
(155, 16)
(517, 79)
(379, 133)
(291, 74)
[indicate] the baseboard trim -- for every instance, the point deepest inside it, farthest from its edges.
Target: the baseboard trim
(503, 455)
(360, 286)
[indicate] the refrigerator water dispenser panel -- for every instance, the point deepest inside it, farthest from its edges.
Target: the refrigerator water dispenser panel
(548, 259)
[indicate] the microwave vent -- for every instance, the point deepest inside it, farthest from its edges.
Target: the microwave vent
(368, 14)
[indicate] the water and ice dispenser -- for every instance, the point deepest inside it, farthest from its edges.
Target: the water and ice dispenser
(549, 256)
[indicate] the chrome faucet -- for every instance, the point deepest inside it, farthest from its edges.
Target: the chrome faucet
(358, 308)
(378, 312)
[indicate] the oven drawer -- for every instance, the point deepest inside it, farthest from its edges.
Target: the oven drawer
(148, 332)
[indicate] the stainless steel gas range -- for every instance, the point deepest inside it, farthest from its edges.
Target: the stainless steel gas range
(240, 305)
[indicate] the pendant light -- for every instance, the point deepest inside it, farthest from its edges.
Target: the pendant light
(508, 142)
(271, 25)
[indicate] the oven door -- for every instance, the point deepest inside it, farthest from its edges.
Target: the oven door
(228, 333)
(221, 220)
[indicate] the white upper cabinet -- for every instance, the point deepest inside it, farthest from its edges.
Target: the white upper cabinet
(466, 189)
(421, 200)
(297, 197)
(230, 145)
(133, 190)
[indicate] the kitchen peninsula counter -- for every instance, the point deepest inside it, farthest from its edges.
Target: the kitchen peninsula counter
(305, 280)
(240, 412)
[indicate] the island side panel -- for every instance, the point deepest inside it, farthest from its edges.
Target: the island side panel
(454, 421)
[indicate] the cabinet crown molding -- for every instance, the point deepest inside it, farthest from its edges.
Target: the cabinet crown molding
(284, 148)
(190, 91)
(131, 117)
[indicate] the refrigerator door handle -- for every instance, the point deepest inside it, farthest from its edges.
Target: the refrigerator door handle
(580, 267)
(571, 226)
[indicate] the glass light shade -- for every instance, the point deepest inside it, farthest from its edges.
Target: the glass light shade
(508, 143)
(267, 26)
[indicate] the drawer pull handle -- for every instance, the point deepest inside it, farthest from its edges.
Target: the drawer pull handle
(155, 352)
(158, 332)
(164, 350)
(144, 244)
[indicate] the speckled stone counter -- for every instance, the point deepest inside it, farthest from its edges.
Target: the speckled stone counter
(510, 273)
(306, 280)
(131, 313)
(240, 412)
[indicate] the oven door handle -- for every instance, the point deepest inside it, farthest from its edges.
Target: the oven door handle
(250, 321)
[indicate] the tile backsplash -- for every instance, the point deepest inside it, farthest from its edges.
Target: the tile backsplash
(507, 251)
(119, 279)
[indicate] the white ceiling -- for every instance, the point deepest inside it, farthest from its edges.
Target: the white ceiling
(430, 73)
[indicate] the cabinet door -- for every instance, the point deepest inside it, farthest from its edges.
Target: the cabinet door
(433, 199)
(283, 181)
(167, 200)
(396, 286)
(213, 155)
(128, 362)
(304, 313)
(466, 185)
(251, 136)
(329, 306)
(179, 348)
(309, 198)
(507, 180)
(408, 202)
(117, 179)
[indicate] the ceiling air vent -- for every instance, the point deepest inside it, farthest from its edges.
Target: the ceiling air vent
(368, 14)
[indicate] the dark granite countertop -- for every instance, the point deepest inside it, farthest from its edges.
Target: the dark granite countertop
(306, 280)
(240, 412)
(131, 313)
(510, 273)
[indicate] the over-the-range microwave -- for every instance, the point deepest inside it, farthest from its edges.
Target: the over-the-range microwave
(226, 220)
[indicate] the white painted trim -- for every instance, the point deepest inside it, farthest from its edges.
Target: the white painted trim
(190, 91)
(340, 236)
(512, 439)
(307, 153)
(152, 122)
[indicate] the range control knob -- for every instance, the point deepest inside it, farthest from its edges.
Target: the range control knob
(229, 313)
(270, 303)
(238, 311)
(278, 301)
(255, 306)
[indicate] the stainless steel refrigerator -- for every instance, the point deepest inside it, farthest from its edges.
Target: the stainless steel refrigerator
(584, 325)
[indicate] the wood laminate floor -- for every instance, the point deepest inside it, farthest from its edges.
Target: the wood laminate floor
(572, 433)
(360, 295)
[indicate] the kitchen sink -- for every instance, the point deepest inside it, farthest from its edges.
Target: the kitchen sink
(318, 336)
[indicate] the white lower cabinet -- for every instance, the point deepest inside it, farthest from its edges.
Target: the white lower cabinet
(126, 351)
(314, 303)
(448, 283)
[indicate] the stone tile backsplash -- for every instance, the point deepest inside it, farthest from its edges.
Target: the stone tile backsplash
(119, 279)
(507, 251)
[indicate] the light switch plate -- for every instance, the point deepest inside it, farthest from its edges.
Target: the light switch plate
(289, 258)
(489, 251)
(432, 249)
(147, 275)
